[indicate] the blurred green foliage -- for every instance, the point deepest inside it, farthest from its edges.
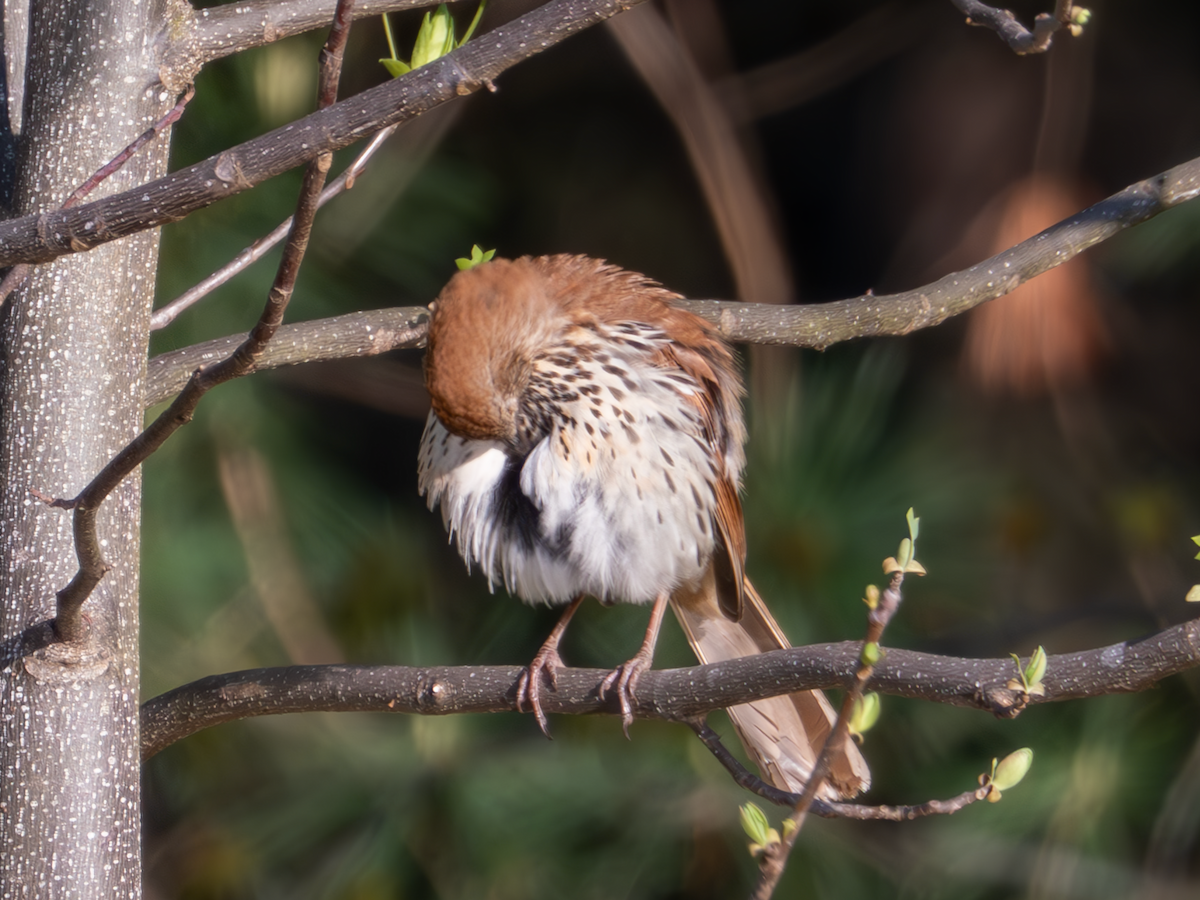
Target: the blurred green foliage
(1034, 532)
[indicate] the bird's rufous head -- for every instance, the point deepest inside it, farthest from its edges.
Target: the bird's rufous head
(487, 324)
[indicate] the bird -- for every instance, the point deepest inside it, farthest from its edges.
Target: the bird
(586, 438)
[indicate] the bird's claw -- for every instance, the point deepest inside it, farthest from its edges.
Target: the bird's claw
(625, 678)
(547, 662)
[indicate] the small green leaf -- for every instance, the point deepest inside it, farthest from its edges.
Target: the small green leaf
(1193, 596)
(865, 715)
(434, 40)
(1012, 769)
(914, 524)
(1029, 678)
(1196, 540)
(1036, 670)
(478, 257)
(432, 36)
(905, 554)
(395, 67)
(754, 823)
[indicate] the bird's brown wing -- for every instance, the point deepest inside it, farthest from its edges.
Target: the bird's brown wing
(729, 555)
(719, 412)
(782, 734)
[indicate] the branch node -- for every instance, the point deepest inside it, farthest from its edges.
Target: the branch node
(1003, 702)
(54, 502)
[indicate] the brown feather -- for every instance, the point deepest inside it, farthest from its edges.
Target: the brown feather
(782, 734)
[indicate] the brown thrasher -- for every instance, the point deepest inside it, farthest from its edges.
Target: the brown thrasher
(586, 438)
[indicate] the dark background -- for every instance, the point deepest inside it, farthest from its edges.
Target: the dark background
(1057, 497)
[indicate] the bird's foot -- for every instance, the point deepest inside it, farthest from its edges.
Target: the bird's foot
(546, 662)
(624, 679)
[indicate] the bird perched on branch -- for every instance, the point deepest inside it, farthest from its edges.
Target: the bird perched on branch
(586, 439)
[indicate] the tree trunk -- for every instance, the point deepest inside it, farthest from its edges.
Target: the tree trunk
(74, 348)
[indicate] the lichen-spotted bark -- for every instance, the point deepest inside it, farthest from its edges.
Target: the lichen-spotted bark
(74, 346)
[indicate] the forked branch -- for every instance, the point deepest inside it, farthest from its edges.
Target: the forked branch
(69, 623)
(1010, 30)
(41, 238)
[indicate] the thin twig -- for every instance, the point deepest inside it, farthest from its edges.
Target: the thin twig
(167, 314)
(774, 858)
(735, 194)
(826, 809)
(1011, 31)
(17, 274)
(69, 623)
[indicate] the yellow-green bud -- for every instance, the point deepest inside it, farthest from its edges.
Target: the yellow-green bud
(866, 713)
(871, 654)
(1011, 769)
(1036, 670)
(754, 823)
(872, 597)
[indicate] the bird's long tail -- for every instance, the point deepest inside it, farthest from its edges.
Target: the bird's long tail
(782, 734)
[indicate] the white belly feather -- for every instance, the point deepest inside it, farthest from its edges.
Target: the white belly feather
(615, 501)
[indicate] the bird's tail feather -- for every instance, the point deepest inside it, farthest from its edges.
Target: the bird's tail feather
(782, 734)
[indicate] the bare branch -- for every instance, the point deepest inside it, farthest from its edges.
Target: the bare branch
(821, 326)
(736, 197)
(40, 238)
(1012, 32)
(671, 694)
(818, 325)
(197, 37)
(743, 777)
(356, 334)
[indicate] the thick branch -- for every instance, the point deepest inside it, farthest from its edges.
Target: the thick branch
(364, 333)
(196, 37)
(673, 694)
(40, 238)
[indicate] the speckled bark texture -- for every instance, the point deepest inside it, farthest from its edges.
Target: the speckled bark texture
(74, 346)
